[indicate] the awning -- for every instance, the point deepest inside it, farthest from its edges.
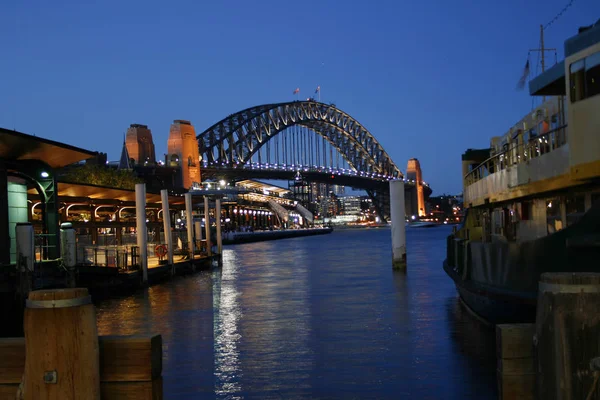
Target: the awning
(261, 186)
(92, 192)
(18, 146)
(550, 83)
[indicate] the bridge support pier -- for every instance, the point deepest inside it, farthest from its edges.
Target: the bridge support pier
(398, 218)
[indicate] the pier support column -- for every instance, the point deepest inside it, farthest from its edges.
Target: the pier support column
(140, 224)
(218, 220)
(189, 223)
(398, 224)
(164, 198)
(207, 226)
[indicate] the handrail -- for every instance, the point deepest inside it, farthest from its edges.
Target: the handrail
(536, 147)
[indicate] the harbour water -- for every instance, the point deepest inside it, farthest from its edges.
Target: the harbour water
(315, 317)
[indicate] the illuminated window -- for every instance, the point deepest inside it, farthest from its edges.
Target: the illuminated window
(553, 219)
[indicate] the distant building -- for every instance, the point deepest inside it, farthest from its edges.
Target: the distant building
(351, 205)
(140, 145)
(183, 152)
(338, 190)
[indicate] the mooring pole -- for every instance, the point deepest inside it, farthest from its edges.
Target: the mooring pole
(140, 222)
(398, 218)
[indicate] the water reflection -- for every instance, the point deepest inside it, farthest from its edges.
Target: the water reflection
(227, 313)
(315, 317)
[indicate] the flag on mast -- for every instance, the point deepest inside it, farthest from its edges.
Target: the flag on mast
(318, 89)
(297, 91)
(523, 79)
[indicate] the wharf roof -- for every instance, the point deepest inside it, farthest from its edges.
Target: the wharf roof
(257, 185)
(18, 146)
(103, 193)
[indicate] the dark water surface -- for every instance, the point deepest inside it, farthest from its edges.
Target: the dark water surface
(315, 317)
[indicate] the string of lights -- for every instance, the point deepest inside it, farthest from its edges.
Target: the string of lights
(569, 4)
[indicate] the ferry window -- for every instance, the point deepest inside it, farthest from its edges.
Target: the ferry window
(553, 219)
(575, 208)
(577, 81)
(592, 74)
(526, 210)
(595, 199)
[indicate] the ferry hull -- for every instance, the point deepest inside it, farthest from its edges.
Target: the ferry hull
(494, 305)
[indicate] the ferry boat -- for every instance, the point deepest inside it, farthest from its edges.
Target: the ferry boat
(532, 199)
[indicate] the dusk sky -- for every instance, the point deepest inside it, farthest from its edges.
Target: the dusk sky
(428, 79)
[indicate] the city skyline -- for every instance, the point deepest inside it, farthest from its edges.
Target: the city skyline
(84, 83)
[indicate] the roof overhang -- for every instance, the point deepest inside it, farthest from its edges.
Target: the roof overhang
(100, 193)
(257, 185)
(550, 83)
(18, 146)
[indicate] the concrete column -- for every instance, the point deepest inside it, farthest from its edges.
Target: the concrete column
(207, 226)
(398, 224)
(190, 223)
(164, 198)
(140, 224)
(218, 218)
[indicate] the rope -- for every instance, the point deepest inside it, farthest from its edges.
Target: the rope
(569, 4)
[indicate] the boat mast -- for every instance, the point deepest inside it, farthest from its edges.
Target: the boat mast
(543, 51)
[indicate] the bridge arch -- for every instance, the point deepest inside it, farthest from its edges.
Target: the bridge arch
(235, 139)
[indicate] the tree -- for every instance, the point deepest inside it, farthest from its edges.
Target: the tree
(101, 176)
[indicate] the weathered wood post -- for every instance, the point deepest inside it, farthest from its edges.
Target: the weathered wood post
(61, 345)
(164, 197)
(515, 365)
(567, 335)
(140, 223)
(397, 215)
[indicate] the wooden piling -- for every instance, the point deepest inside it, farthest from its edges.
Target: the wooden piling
(515, 361)
(61, 343)
(567, 335)
(130, 367)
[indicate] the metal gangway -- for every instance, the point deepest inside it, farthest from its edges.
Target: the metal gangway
(279, 210)
(305, 213)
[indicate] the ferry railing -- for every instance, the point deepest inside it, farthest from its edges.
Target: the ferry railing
(521, 153)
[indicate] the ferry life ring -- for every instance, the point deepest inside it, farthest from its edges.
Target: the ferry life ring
(160, 250)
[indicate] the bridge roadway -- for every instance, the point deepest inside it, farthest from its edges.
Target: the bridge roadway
(376, 186)
(322, 175)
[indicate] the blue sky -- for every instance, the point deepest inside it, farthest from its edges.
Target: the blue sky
(428, 79)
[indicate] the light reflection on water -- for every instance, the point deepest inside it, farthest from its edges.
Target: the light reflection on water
(315, 317)
(227, 313)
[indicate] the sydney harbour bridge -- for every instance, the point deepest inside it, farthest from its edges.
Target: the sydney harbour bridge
(305, 141)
